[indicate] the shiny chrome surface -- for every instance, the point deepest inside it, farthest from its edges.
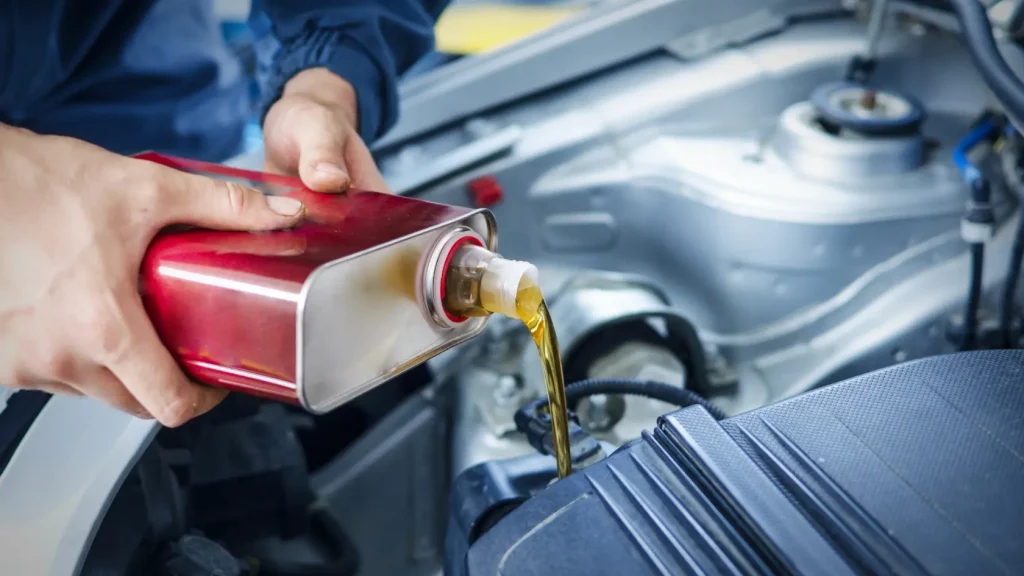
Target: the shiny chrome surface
(433, 276)
(362, 321)
(809, 150)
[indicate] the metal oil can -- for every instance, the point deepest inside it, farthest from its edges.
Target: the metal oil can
(318, 314)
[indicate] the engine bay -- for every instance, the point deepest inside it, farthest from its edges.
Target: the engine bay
(729, 215)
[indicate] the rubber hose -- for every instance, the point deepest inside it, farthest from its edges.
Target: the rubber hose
(977, 32)
(985, 130)
(973, 297)
(646, 388)
(1010, 287)
(981, 196)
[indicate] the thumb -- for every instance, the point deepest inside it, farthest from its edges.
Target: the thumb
(222, 205)
(322, 158)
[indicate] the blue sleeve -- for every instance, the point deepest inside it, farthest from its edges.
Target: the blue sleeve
(369, 43)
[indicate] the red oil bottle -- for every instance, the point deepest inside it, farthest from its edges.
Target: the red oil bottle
(356, 294)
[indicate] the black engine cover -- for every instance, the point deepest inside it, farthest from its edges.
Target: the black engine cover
(915, 469)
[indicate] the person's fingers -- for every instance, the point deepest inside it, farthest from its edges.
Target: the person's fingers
(100, 383)
(200, 201)
(362, 168)
(272, 166)
(137, 358)
(321, 142)
(55, 388)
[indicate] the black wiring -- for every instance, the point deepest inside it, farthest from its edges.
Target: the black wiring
(970, 337)
(674, 395)
(1007, 305)
(977, 32)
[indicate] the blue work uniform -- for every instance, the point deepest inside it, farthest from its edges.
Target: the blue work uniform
(134, 75)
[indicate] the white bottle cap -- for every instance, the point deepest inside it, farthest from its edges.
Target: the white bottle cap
(503, 278)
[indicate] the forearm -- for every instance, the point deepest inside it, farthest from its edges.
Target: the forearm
(368, 43)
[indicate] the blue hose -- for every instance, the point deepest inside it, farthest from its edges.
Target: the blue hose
(982, 132)
(979, 213)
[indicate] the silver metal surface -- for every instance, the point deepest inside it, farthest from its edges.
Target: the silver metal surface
(633, 360)
(601, 412)
(476, 151)
(802, 143)
(483, 427)
(376, 292)
(884, 105)
(60, 482)
(433, 273)
(609, 33)
(943, 19)
(589, 303)
(785, 251)
(580, 306)
(875, 27)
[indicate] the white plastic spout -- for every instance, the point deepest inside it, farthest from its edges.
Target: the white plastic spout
(502, 281)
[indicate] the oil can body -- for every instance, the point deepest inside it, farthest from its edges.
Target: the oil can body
(314, 315)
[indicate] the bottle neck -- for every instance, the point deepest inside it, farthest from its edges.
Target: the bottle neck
(478, 282)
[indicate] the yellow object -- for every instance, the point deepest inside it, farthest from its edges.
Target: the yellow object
(482, 27)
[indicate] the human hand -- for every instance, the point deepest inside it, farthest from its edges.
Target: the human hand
(311, 132)
(75, 225)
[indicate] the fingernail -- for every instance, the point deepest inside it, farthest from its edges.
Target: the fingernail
(284, 205)
(329, 169)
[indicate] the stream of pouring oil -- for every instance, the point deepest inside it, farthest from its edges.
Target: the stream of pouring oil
(533, 311)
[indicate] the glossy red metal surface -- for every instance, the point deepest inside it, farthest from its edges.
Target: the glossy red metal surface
(226, 304)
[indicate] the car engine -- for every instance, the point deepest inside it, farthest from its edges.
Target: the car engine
(716, 203)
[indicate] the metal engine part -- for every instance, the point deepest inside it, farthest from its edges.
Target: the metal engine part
(683, 171)
(803, 256)
(584, 308)
(803, 143)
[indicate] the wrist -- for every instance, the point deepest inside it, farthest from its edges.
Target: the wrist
(367, 92)
(326, 88)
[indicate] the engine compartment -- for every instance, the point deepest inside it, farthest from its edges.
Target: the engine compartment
(683, 185)
(694, 186)
(868, 476)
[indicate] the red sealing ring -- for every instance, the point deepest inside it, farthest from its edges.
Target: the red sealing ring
(444, 273)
